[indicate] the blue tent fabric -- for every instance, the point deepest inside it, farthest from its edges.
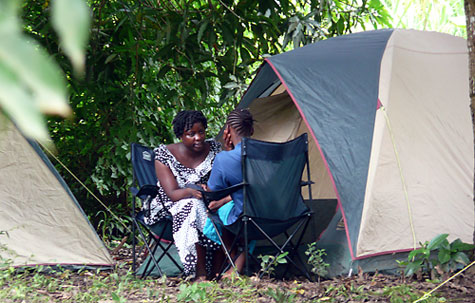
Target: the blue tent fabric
(340, 110)
(265, 78)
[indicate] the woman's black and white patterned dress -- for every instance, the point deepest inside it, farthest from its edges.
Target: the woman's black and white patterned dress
(189, 215)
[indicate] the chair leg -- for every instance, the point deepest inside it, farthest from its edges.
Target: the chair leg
(246, 250)
(222, 242)
(226, 265)
(280, 249)
(165, 252)
(294, 248)
(152, 256)
(134, 260)
(151, 253)
(165, 249)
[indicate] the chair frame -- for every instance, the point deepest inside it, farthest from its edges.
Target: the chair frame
(244, 219)
(146, 193)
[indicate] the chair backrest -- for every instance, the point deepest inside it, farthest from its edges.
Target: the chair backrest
(143, 165)
(272, 173)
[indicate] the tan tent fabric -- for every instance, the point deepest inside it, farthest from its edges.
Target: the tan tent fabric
(424, 91)
(278, 120)
(43, 223)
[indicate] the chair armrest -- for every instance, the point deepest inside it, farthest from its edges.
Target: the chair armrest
(148, 190)
(219, 194)
(146, 193)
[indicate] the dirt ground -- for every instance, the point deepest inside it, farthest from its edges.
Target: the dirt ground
(363, 287)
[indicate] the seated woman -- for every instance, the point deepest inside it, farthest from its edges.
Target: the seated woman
(178, 165)
(227, 172)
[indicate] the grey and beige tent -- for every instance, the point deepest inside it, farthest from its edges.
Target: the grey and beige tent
(44, 223)
(391, 151)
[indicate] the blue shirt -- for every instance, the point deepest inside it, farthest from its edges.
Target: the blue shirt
(227, 172)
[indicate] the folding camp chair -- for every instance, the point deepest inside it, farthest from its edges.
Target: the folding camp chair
(160, 234)
(273, 203)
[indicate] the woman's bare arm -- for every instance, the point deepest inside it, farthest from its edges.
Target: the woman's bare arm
(214, 205)
(170, 186)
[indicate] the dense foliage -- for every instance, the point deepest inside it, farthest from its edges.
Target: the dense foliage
(146, 60)
(449, 258)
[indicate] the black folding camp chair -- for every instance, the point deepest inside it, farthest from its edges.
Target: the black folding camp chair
(160, 234)
(273, 203)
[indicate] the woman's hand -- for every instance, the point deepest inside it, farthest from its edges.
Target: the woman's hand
(169, 184)
(193, 193)
(214, 205)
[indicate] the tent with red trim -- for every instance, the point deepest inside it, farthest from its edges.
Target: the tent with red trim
(391, 151)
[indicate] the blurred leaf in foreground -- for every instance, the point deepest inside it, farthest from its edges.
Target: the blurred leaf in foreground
(31, 83)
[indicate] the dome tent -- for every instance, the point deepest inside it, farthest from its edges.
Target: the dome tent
(44, 222)
(391, 142)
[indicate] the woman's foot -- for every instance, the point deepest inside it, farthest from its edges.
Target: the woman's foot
(199, 279)
(230, 274)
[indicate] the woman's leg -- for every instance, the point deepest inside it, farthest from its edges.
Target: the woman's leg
(239, 262)
(218, 259)
(187, 214)
(201, 261)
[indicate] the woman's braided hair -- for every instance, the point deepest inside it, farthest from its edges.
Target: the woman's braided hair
(184, 121)
(241, 120)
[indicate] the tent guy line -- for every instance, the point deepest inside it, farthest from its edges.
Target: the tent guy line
(403, 181)
(84, 185)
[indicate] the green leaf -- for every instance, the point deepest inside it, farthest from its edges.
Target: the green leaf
(228, 34)
(163, 71)
(245, 56)
(340, 25)
(71, 20)
(286, 40)
(413, 254)
(402, 263)
(297, 38)
(20, 106)
(444, 245)
(461, 257)
(115, 297)
(37, 71)
(426, 252)
(411, 269)
(231, 85)
(202, 30)
(458, 245)
(444, 256)
(9, 21)
(294, 21)
(266, 258)
(110, 58)
(437, 241)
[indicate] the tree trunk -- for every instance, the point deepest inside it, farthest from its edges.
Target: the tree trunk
(470, 16)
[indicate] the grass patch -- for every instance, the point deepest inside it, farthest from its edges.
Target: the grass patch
(120, 285)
